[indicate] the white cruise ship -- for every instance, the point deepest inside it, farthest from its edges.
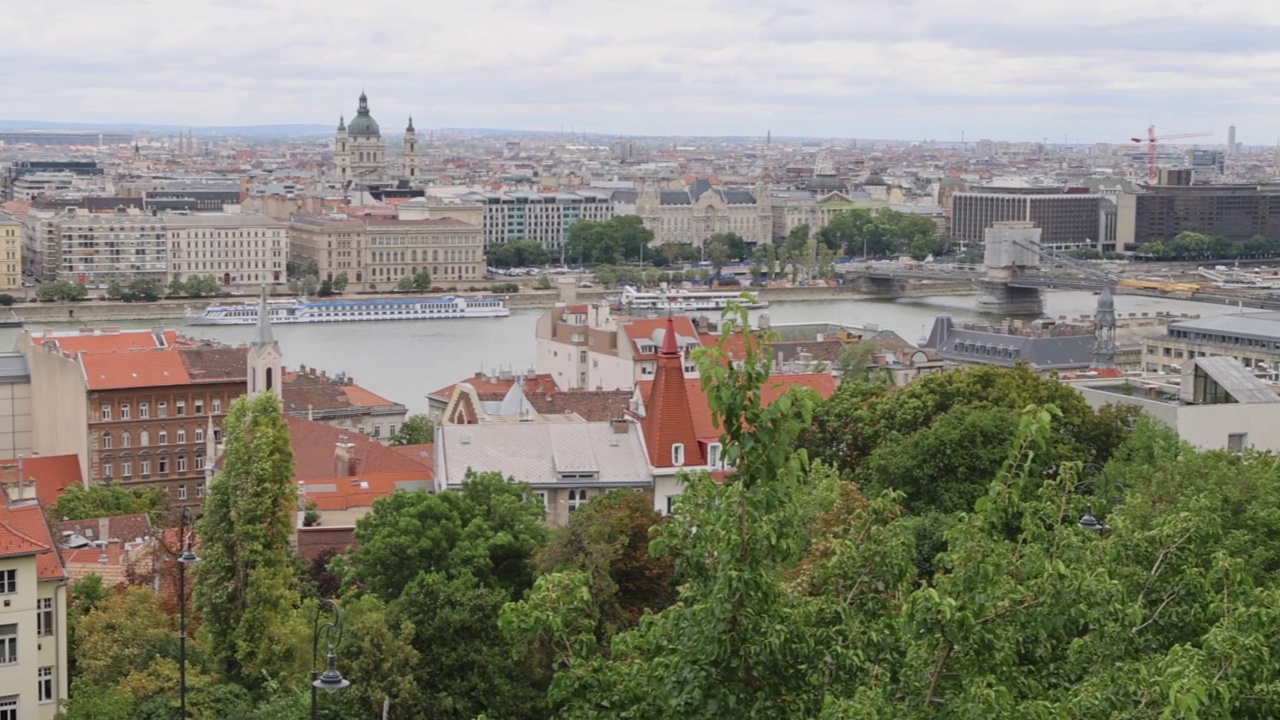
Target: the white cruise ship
(634, 300)
(350, 310)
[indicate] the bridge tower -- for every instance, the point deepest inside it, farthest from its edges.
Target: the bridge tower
(1006, 256)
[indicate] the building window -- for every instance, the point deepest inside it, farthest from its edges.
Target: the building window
(162, 409)
(144, 438)
(8, 582)
(1237, 441)
(200, 490)
(9, 644)
(44, 617)
(181, 436)
(44, 686)
(126, 439)
(106, 412)
(577, 498)
(391, 430)
(377, 431)
(713, 454)
(124, 411)
(9, 707)
(182, 463)
(180, 407)
(199, 434)
(217, 435)
(106, 441)
(164, 465)
(162, 437)
(145, 467)
(671, 504)
(106, 470)
(217, 405)
(126, 468)
(144, 411)
(542, 499)
(199, 406)
(182, 492)
(677, 454)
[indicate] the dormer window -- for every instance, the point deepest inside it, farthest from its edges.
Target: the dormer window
(713, 454)
(677, 454)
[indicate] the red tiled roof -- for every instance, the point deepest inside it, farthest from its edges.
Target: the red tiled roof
(700, 411)
(358, 491)
(668, 417)
(493, 388)
(121, 341)
(24, 531)
(143, 368)
(52, 474)
(425, 453)
(314, 444)
(114, 527)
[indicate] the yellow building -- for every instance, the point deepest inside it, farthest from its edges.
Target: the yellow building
(33, 611)
(11, 246)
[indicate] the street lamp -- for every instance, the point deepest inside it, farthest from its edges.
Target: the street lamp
(1087, 520)
(185, 558)
(330, 680)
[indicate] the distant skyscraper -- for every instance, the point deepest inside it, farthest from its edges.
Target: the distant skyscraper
(1231, 140)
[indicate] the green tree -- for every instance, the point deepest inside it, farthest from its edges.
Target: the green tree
(106, 499)
(762, 261)
(144, 289)
(244, 582)
(544, 282)
(310, 268)
(202, 286)
(421, 281)
(415, 430)
(518, 253)
(719, 253)
(608, 539)
(378, 657)
(114, 291)
(326, 288)
(634, 235)
(488, 530)
(340, 282)
(61, 291)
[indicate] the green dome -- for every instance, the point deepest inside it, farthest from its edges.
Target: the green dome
(363, 124)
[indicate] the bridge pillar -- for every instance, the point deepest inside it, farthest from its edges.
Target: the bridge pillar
(887, 287)
(999, 298)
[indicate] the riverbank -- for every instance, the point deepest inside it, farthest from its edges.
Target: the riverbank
(100, 311)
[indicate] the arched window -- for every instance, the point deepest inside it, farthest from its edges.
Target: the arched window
(269, 379)
(144, 438)
(126, 440)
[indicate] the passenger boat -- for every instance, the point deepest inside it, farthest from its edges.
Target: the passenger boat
(634, 300)
(351, 310)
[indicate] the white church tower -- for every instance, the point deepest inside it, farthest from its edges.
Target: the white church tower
(265, 361)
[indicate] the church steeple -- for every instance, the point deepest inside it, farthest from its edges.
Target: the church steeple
(342, 123)
(265, 360)
(410, 128)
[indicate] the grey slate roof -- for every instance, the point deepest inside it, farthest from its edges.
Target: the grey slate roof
(674, 197)
(537, 452)
(1255, 325)
(625, 196)
(13, 367)
(1234, 378)
(989, 348)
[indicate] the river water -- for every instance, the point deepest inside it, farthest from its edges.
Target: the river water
(405, 360)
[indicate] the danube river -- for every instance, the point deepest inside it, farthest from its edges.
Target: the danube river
(405, 360)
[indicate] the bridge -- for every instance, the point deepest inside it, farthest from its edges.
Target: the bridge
(1010, 277)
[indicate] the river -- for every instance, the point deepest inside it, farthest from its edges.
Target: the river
(405, 360)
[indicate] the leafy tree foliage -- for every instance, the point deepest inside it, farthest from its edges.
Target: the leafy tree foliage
(608, 540)
(415, 430)
(418, 282)
(104, 500)
(487, 530)
(863, 234)
(933, 416)
(763, 261)
(244, 582)
(61, 290)
(518, 253)
(1199, 246)
(608, 242)
(340, 281)
(719, 253)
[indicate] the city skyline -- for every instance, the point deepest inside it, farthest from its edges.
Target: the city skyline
(1082, 72)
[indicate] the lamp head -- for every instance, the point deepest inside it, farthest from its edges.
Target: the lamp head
(331, 680)
(187, 556)
(1090, 523)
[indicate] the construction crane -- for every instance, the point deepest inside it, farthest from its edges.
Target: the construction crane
(1151, 141)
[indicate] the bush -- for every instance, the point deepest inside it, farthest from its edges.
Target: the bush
(505, 288)
(6, 300)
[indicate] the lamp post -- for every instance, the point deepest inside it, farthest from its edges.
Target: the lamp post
(1088, 521)
(187, 557)
(330, 680)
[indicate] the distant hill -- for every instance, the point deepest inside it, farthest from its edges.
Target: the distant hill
(288, 130)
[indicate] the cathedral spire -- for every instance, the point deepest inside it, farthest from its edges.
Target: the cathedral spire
(263, 335)
(410, 128)
(342, 123)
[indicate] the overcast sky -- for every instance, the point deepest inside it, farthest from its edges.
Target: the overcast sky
(1087, 70)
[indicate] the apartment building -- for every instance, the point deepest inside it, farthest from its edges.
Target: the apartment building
(587, 347)
(1066, 220)
(41, 251)
(33, 610)
(1252, 339)
(244, 250)
(1236, 212)
(97, 249)
(446, 241)
(542, 217)
(11, 234)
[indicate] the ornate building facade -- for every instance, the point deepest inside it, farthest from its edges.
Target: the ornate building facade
(694, 214)
(359, 154)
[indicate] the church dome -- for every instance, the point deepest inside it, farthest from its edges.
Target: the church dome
(363, 124)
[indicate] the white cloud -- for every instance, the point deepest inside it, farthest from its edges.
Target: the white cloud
(1092, 69)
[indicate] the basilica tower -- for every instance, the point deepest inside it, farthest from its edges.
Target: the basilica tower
(410, 151)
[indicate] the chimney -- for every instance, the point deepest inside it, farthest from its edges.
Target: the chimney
(620, 426)
(344, 458)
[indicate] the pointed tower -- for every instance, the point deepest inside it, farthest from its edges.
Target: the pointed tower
(668, 421)
(1104, 329)
(265, 361)
(410, 151)
(341, 153)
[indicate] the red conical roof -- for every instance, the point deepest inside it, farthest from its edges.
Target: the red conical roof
(667, 417)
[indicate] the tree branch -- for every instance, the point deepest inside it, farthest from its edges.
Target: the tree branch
(1168, 598)
(937, 674)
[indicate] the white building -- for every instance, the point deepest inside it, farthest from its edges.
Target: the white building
(542, 217)
(694, 214)
(33, 611)
(235, 249)
(100, 248)
(585, 347)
